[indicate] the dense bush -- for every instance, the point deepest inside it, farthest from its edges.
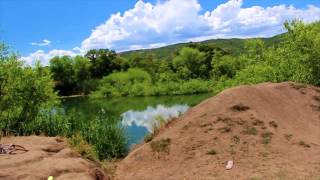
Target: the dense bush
(296, 58)
(137, 82)
(24, 93)
(134, 82)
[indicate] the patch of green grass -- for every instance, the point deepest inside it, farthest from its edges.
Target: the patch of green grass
(266, 137)
(256, 178)
(159, 123)
(80, 145)
(273, 124)
(250, 130)
(211, 152)
(258, 122)
(161, 145)
(267, 134)
(266, 140)
(240, 107)
(236, 139)
(304, 144)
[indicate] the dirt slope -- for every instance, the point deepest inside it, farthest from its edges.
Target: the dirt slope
(46, 157)
(271, 131)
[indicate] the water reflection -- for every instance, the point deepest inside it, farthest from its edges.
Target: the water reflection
(136, 113)
(148, 117)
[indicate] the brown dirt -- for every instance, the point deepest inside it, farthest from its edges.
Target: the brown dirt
(46, 157)
(271, 131)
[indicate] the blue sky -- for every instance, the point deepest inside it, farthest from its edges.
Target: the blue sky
(74, 26)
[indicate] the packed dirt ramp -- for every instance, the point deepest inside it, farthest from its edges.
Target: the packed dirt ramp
(46, 156)
(270, 131)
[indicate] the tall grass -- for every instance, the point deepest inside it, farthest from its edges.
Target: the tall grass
(105, 135)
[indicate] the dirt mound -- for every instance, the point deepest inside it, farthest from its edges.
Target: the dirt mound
(46, 157)
(271, 131)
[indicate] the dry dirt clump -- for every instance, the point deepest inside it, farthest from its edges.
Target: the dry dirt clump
(270, 131)
(47, 156)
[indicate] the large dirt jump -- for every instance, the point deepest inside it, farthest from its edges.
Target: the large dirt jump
(270, 131)
(47, 156)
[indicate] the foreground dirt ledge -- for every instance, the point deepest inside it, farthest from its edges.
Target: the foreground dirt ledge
(47, 156)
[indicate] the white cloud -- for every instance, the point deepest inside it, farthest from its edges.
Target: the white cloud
(44, 57)
(44, 42)
(148, 117)
(173, 21)
(149, 25)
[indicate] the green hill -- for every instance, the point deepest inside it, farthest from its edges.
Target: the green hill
(233, 46)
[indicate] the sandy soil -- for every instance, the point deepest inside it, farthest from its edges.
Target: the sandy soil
(271, 131)
(46, 157)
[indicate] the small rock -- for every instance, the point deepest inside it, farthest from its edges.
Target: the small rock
(229, 165)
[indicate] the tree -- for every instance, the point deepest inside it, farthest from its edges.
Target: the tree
(63, 73)
(145, 61)
(81, 66)
(224, 66)
(25, 93)
(104, 62)
(303, 43)
(190, 63)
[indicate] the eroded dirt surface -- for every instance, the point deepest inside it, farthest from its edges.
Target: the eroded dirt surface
(47, 156)
(271, 131)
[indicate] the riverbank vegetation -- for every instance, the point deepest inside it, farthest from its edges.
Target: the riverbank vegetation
(194, 67)
(29, 105)
(29, 102)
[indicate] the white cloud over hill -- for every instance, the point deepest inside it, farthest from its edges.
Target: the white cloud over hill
(149, 25)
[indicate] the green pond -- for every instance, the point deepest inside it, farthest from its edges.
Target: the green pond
(136, 114)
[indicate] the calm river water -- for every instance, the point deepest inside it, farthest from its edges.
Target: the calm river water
(136, 114)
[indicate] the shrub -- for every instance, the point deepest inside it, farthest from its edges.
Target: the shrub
(250, 130)
(25, 93)
(159, 122)
(240, 107)
(273, 124)
(80, 145)
(266, 137)
(134, 82)
(236, 139)
(161, 145)
(304, 144)
(211, 152)
(108, 137)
